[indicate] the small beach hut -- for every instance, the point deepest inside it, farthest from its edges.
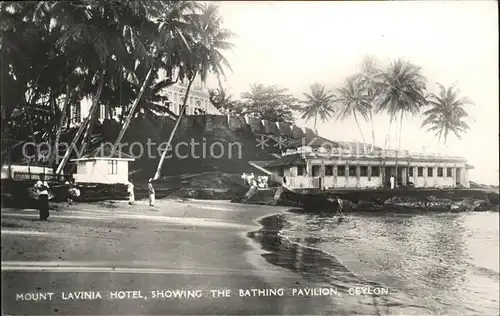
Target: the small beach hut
(101, 166)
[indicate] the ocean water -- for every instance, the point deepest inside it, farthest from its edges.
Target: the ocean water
(434, 263)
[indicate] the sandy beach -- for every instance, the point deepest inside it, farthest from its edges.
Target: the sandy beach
(191, 257)
(177, 245)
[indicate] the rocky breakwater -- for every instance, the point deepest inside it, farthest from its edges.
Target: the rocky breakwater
(455, 203)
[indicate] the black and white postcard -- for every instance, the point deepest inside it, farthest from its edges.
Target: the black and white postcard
(249, 157)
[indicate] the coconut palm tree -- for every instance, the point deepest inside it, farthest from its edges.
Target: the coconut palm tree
(353, 100)
(447, 113)
(402, 87)
(369, 70)
(97, 29)
(167, 48)
(204, 55)
(318, 103)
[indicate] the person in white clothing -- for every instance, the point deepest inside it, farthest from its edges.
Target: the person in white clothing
(151, 191)
(392, 182)
(73, 192)
(340, 209)
(42, 188)
(130, 189)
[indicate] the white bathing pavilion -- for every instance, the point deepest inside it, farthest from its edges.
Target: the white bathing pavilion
(316, 167)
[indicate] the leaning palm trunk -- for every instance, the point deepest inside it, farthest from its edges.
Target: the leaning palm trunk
(373, 130)
(95, 102)
(181, 113)
(388, 135)
(90, 127)
(132, 110)
(359, 127)
(399, 143)
(30, 125)
(400, 130)
(34, 96)
(55, 152)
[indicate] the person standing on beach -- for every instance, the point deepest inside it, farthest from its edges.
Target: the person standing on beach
(151, 191)
(130, 189)
(340, 210)
(251, 179)
(392, 182)
(42, 188)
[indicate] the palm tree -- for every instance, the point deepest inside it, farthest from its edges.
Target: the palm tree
(318, 103)
(403, 91)
(97, 29)
(402, 87)
(447, 113)
(204, 54)
(168, 46)
(369, 70)
(353, 101)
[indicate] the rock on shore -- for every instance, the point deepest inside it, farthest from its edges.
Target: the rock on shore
(461, 200)
(467, 204)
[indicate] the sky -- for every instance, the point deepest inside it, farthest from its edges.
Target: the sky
(295, 44)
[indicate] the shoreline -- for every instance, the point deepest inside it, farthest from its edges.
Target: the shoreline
(325, 268)
(217, 240)
(359, 200)
(251, 242)
(269, 238)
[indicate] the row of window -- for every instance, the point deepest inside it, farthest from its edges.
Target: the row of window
(341, 171)
(193, 103)
(430, 172)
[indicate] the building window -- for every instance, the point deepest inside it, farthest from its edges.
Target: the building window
(375, 172)
(281, 172)
(364, 171)
(352, 171)
(112, 167)
(410, 171)
(449, 172)
(300, 170)
(315, 171)
(440, 172)
(429, 172)
(420, 171)
(341, 171)
(328, 170)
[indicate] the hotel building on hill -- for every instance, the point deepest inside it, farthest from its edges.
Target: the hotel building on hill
(198, 100)
(198, 103)
(320, 168)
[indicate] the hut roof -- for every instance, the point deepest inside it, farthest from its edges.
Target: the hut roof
(104, 152)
